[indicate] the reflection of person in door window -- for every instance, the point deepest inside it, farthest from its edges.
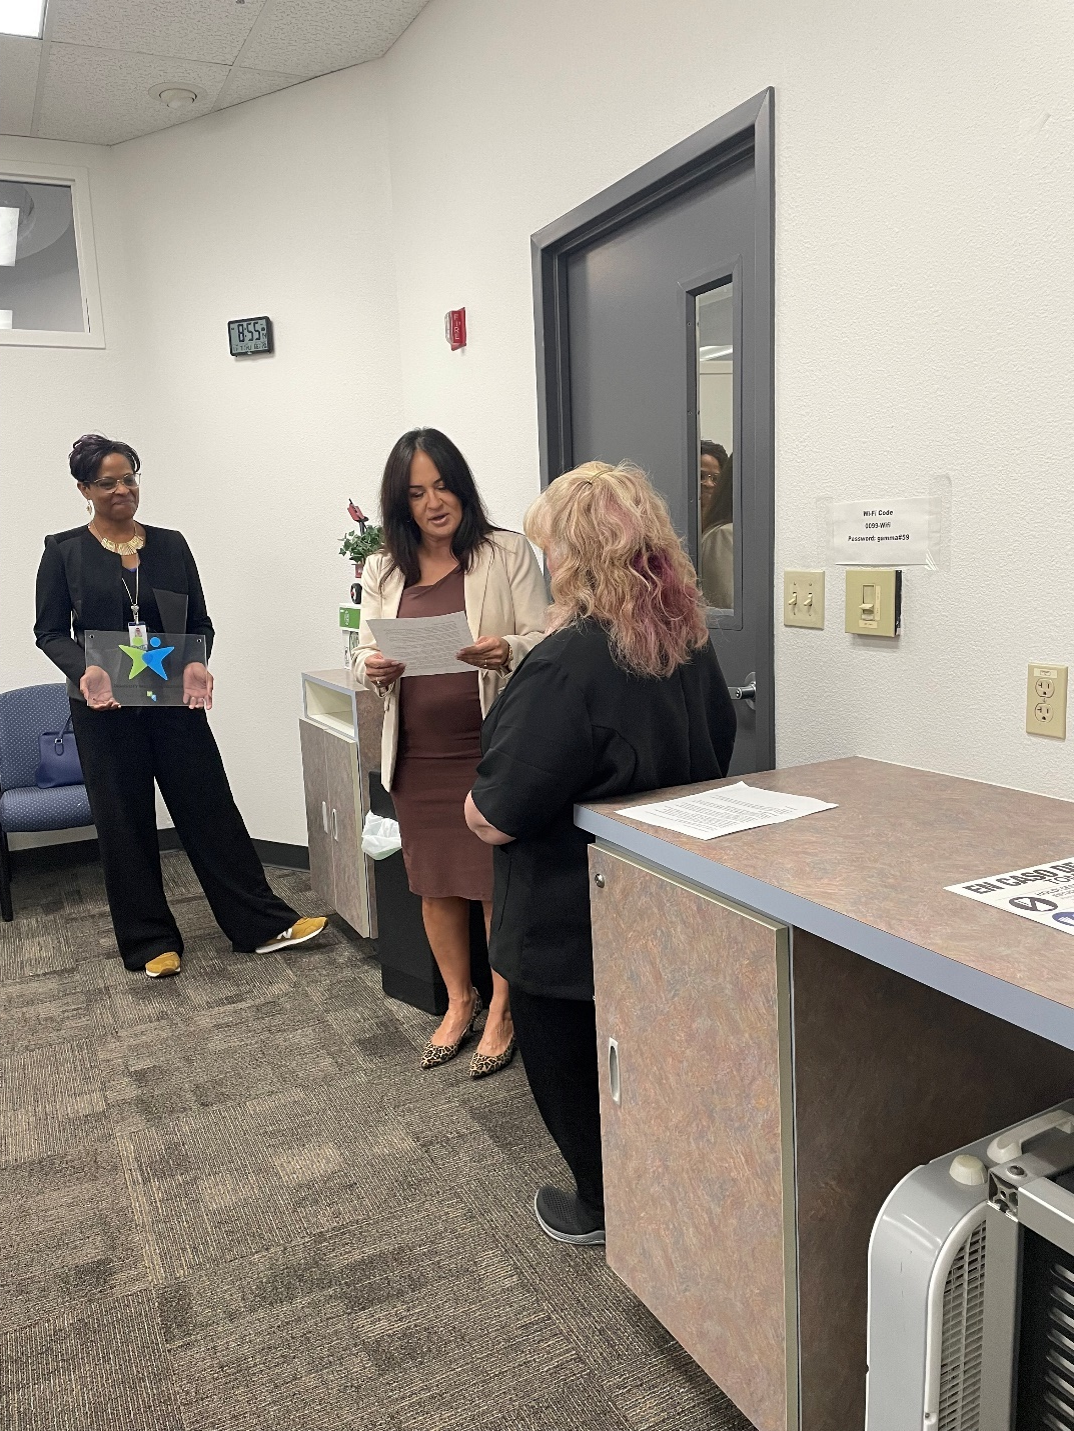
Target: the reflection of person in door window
(717, 555)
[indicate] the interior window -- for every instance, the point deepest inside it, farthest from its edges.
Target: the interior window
(40, 287)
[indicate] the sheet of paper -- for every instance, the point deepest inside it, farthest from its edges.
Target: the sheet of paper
(1044, 893)
(425, 644)
(723, 811)
(893, 533)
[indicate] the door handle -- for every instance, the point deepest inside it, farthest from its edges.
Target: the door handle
(748, 692)
(335, 825)
(324, 815)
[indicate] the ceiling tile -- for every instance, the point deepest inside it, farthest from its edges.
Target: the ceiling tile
(18, 83)
(313, 37)
(101, 97)
(194, 29)
(242, 85)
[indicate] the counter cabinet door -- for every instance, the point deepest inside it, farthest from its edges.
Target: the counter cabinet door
(693, 1017)
(349, 864)
(312, 739)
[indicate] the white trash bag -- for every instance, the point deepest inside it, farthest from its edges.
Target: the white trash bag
(380, 837)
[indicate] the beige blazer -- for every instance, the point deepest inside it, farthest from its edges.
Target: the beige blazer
(505, 596)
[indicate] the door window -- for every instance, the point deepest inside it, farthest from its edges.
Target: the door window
(714, 322)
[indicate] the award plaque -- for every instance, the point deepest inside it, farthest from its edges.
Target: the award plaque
(144, 670)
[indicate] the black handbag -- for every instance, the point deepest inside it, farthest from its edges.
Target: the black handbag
(60, 764)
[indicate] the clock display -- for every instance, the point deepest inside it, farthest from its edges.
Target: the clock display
(249, 335)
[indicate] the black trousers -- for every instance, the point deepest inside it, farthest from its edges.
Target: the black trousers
(557, 1039)
(122, 753)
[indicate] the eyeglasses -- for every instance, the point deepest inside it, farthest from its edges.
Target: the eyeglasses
(109, 484)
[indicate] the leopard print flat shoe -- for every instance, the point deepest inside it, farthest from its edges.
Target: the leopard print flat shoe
(482, 1064)
(437, 1054)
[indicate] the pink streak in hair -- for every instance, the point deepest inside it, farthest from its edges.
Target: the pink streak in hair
(665, 602)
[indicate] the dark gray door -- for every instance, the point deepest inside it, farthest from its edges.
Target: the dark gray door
(655, 337)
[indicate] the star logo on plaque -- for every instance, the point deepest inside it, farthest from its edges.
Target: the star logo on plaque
(148, 660)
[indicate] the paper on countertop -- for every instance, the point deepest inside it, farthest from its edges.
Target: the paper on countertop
(1044, 893)
(725, 810)
(425, 644)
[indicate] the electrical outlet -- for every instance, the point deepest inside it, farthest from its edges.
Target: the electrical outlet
(1046, 701)
(803, 599)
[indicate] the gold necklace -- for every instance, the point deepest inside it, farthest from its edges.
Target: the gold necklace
(124, 549)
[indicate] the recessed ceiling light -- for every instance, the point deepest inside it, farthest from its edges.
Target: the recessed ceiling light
(21, 17)
(9, 236)
(175, 96)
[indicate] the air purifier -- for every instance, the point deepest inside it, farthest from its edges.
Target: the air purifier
(971, 1288)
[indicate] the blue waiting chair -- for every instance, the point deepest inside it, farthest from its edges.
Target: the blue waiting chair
(26, 715)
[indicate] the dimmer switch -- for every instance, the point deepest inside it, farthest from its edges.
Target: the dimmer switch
(874, 602)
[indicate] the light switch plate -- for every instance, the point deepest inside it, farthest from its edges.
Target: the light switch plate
(874, 601)
(1046, 701)
(803, 599)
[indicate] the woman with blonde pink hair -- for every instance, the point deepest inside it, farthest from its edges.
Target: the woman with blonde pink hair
(624, 694)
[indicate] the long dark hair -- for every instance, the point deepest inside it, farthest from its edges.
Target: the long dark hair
(402, 536)
(90, 451)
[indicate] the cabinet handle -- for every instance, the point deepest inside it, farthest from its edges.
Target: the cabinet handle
(324, 815)
(613, 1069)
(335, 825)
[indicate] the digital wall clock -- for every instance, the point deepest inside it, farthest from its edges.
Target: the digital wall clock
(249, 335)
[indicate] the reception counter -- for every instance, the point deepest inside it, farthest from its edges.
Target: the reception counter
(790, 1019)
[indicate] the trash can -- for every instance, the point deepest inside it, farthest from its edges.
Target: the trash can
(408, 970)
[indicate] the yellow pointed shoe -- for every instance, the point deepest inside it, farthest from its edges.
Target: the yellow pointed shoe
(163, 966)
(300, 932)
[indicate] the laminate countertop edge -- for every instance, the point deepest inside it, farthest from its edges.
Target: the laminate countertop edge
(1006, 1001)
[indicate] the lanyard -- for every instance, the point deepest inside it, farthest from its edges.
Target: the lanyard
(137, 589)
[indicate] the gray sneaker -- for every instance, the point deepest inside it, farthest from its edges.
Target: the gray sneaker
(566, 1218)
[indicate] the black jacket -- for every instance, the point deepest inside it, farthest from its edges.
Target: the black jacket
(572, 727)
(79, 589)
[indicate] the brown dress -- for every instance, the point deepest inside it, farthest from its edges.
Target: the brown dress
(439, 750)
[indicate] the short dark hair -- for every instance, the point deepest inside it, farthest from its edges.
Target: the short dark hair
(401, 535)
(90, 451)
(715, 449)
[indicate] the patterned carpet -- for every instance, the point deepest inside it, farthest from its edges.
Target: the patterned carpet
(231, 1202)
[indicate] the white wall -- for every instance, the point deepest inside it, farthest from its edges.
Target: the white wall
(284, 209)
(924, 302)
(925, 166)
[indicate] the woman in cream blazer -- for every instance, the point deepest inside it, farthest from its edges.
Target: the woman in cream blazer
(441, 554)
(505, 596)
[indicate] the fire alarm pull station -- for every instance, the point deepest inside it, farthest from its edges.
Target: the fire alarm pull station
(455, 328)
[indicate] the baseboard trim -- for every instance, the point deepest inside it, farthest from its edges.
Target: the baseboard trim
(286, 857)
(77, 852)
(62, 856)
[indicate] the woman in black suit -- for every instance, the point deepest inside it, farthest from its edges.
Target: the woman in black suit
(104, 577)
(624, 694)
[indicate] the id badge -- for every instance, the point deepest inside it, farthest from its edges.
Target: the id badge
(139, 635)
